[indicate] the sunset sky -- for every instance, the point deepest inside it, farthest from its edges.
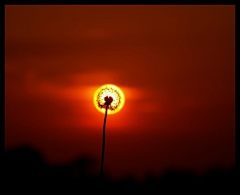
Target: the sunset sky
(174, 63)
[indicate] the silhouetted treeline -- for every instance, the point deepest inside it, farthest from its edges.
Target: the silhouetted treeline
(26, 171)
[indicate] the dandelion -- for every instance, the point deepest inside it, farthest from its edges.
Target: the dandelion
(108, 98)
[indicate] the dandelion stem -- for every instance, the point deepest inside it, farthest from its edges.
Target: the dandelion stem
(103, 140)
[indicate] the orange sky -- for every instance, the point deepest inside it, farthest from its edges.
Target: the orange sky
(175, 64)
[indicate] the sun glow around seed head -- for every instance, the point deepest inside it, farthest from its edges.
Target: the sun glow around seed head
(109, 90)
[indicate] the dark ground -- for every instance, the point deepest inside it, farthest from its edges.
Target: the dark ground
(26, 172)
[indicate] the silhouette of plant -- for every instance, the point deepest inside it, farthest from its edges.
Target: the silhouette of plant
(108, 98)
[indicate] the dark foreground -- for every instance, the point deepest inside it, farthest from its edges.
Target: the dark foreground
(26, 172)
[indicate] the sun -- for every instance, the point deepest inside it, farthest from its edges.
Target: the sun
(103, 93)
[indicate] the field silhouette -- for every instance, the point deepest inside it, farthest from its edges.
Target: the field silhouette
(26, 171)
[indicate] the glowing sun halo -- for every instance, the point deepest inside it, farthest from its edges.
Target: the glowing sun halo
(109, 90)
